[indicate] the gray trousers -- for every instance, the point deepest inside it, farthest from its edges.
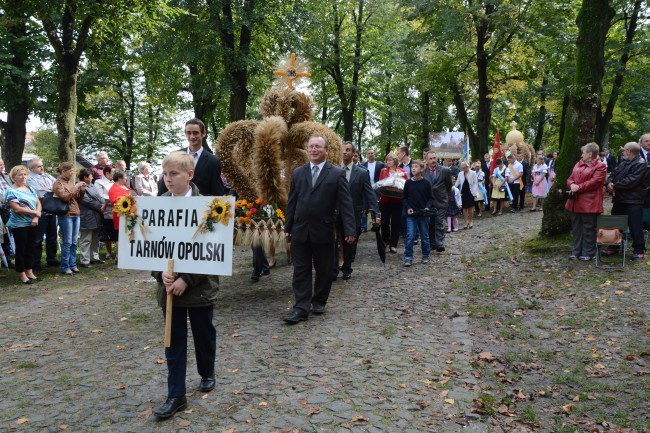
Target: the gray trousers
(437, 227)
(583, 229)
(88, 245)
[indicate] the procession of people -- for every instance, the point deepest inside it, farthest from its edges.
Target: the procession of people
(417, 200)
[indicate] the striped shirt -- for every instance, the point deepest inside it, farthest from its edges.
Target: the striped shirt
(26, 199)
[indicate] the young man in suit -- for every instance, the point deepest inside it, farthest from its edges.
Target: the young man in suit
(317, 190)
(207, 166)
(363, 199)
(374, 168)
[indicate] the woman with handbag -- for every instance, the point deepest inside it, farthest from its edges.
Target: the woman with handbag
(69, 223)
(585, 202)
(391, 207)
(25, 210)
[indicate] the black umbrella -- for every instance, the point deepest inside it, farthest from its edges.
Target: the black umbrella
(381, 247)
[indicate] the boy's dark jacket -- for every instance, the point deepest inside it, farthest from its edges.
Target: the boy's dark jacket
(201, 289)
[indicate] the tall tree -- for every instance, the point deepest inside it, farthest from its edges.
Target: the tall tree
(594, 21)
(21, 60)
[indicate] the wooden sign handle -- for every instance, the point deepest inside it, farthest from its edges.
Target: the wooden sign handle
(168, 308)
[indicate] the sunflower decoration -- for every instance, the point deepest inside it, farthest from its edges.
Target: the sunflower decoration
(218, 212)
(126, 206)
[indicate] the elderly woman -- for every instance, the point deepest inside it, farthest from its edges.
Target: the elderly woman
(145, 184)
(69, 223)
(92, 208)
(25, 210)
(97, 170)
(390, 207)
(586, 203)
(467, 183)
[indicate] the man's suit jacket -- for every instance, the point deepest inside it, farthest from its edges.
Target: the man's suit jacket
(207, 175)
(410, 164)
(310, 212)
(440, 185)
(378, 166)
(363, 196)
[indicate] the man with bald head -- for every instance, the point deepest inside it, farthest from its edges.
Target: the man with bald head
(627, 183)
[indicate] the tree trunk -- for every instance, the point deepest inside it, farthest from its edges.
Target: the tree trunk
(426, 109)
(565, 108)
(18, 106)
(602, 127)
(594, 20)
(68, 52)
(461, 113)
(66, 114)
(15, 136)
(484, 112)
(541, 116)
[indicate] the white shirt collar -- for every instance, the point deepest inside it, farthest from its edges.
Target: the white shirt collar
(320, 166)
(187, 194)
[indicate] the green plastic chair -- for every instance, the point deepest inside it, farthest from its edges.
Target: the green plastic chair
(612, 221)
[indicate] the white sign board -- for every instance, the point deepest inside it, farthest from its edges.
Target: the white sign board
(171, 232)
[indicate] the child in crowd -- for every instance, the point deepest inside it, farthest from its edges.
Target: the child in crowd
(454, 208)
(540, 184)
(195, 295)
(417, 200)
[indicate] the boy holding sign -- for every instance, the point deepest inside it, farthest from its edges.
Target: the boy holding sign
(194, 295)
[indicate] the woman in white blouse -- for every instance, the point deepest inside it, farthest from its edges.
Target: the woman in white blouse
(145, 184)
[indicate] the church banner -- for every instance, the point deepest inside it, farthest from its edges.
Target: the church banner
(196, 232)
(447, 144)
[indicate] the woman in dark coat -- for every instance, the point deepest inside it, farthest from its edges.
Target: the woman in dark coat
(92, 207)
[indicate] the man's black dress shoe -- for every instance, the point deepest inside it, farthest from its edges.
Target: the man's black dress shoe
(266, 272)
(295, 317)
(255, 277)
(440, 249)
(207, 384)
(346, 276)
(318, 308)
(170, 407)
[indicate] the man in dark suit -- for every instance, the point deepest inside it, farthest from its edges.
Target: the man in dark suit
(440, 178)
(363, 199)
(374, 168)
(317, 190)
(207, 167)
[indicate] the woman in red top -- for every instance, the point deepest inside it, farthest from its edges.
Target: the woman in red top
(586, 184)
(391, 208)
(119, 189)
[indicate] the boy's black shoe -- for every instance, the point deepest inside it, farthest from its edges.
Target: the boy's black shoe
(170, 407)
(207, 384)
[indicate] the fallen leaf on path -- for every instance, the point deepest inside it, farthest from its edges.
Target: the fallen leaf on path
(146, 413)
(576, 398)
(20, 421)
(184, 423)
(487, 356)
(63, 426)
(567, 408)
(450, 401)
(96, 331)
(313, 411)
(188, 410)
(359, 418)
(159, 360)
(263, 404)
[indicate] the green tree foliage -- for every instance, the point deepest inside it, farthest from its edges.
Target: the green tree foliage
(22, 56)
(45, 142)
(594, 20)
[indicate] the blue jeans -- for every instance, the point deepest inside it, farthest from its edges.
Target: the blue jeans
(417, 225)
(69, 228)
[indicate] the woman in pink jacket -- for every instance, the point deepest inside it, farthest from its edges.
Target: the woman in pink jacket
(586, 187)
